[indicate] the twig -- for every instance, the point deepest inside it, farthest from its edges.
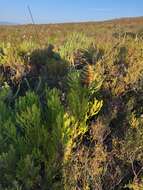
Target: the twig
(35, 28)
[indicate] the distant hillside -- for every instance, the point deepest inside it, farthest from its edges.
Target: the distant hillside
(115, 20)
(7, 23)
(124, 20)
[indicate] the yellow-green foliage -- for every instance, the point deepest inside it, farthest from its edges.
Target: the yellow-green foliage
(74, 42)
(86, 166)
(27, 46)
(81, 107)
(25, 49)
(9, 55)
(80, 104)
(136, 185)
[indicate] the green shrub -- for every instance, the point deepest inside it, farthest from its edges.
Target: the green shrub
(36, 139)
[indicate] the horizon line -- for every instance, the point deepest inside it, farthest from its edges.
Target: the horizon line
(7, 23)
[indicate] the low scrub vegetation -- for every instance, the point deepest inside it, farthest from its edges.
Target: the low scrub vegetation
(71, 114)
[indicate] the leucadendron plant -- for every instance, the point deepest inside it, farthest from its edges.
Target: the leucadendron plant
(37, 138)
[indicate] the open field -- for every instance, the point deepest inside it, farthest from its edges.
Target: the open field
(71, 106)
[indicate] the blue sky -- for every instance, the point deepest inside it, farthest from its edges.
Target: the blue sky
(51, 11)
